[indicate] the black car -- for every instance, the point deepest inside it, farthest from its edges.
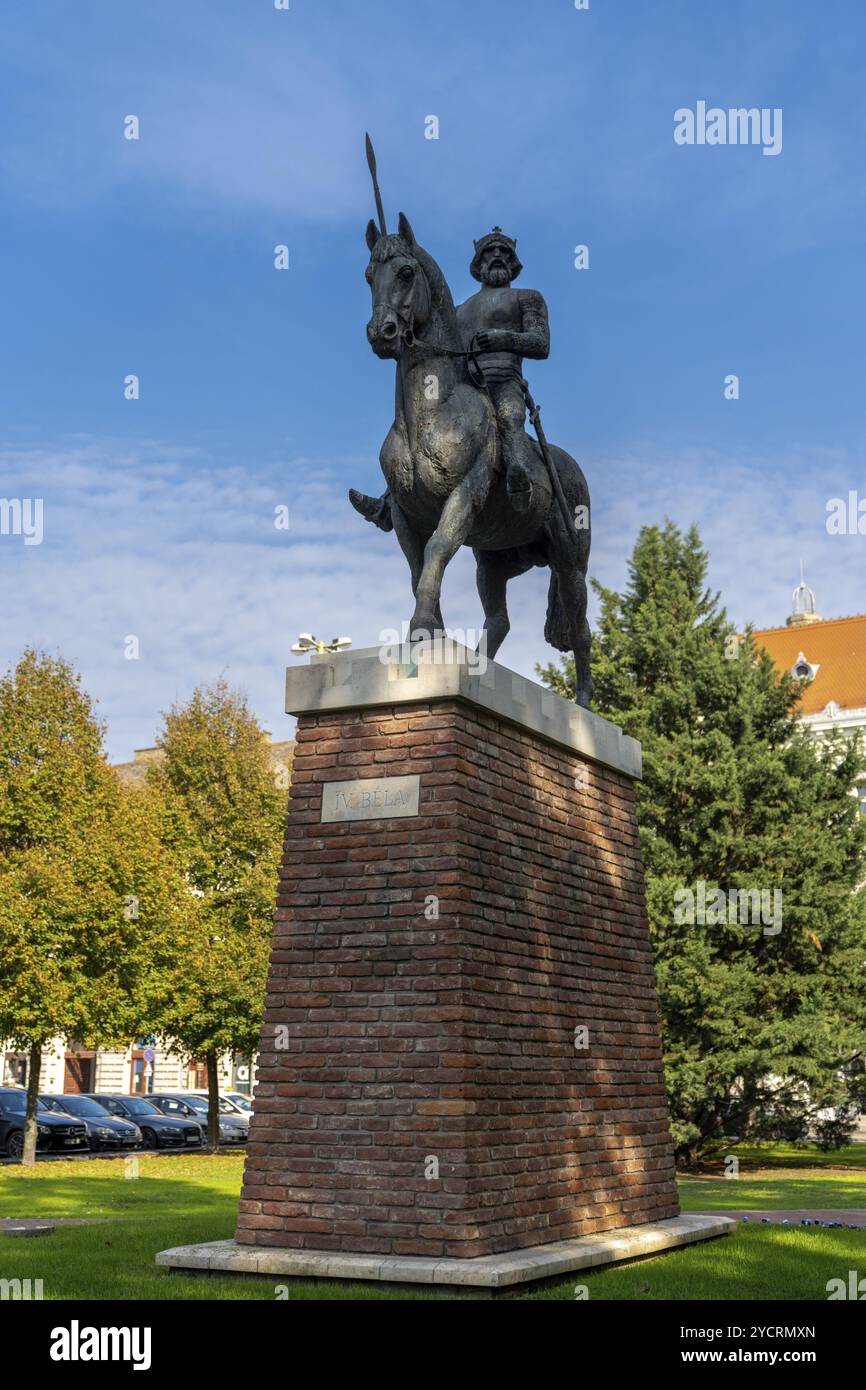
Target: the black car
(54, 1133)
(104, 1131)
(158, 1131)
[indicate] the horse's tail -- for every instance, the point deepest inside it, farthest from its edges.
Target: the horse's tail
(556, 628)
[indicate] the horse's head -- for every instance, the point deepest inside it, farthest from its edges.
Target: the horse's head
(400, 288)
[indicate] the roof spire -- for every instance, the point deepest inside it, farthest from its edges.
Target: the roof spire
(803, 603)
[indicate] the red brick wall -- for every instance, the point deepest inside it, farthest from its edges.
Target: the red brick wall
(408, 1039)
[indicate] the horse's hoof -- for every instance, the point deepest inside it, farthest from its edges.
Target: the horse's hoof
(583, 696)
(424, 628)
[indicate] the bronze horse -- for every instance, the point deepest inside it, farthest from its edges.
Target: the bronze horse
(441, 460)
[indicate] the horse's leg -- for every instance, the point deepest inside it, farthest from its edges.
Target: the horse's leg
(494, 569)
(567, 627)
(455, 524)
(412, 543)
(581, 637)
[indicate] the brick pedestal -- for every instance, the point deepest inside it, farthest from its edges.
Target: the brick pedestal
(460, 1055)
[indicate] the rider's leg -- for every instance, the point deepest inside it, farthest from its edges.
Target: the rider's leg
(510, 414)
(375, 509)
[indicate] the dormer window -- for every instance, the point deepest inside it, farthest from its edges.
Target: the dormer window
(803, 670)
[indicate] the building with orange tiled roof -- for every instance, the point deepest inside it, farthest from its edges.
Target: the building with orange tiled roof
(830, 654)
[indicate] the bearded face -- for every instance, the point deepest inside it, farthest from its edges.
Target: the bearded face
(495, 268)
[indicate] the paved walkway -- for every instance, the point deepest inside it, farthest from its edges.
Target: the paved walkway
(23, 1225)
(848, 1216)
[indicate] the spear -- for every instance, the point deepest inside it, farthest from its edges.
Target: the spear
(371, 165)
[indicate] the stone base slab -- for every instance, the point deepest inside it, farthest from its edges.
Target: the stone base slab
(486, 1271)
(444, 670)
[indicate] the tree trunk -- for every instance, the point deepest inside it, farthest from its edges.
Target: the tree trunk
(213, 1102)
(34, 1067)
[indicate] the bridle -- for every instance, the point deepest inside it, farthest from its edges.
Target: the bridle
(408, 340)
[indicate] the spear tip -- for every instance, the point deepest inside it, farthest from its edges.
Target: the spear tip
(371, 164)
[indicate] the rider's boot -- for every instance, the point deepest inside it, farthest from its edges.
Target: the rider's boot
(518, 483)
(375, 509)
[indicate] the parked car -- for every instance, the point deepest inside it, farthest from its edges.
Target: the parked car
(244, 1103)
(54, 1133)
(104, 1131)
(158, 1131)
(233, 1128)
(230, 1103)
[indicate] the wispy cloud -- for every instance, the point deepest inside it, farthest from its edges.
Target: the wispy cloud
(180, 550)
(759, 515)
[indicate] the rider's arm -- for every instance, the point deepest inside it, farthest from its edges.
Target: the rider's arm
(534, 340)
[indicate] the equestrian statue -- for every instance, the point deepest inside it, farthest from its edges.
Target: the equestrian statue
(459, 464)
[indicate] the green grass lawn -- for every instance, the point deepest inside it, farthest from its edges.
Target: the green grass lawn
(180, 1200)
(774, 1189)
(793, 1156)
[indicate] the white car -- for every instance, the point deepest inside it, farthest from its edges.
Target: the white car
(231, 1103)
(243, 1103)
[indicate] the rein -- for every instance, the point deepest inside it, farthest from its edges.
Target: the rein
(429, 349)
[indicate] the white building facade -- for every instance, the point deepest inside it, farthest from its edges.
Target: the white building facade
(142, 1068)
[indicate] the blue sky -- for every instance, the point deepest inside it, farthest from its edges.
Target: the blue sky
(258, 389)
